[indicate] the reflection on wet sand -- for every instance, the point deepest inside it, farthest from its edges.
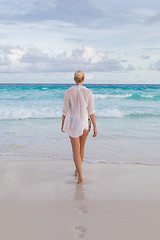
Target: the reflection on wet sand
(79, 192)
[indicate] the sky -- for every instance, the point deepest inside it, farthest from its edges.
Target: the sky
(46, 41)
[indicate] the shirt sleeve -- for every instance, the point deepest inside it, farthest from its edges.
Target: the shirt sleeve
(65, 103)
(91, 104)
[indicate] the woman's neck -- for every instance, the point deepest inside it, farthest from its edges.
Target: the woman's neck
(80, 84)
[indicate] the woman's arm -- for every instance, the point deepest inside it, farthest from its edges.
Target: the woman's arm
(91, 113)
(63, 118)
(65, 108)
(93, 119)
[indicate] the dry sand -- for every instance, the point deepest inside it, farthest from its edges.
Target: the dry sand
(41, 200)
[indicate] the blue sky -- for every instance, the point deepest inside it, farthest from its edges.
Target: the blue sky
(111, 41)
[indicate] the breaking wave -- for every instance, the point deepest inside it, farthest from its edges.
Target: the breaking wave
(20, 113)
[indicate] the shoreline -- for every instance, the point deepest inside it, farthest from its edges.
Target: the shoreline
(5, 158)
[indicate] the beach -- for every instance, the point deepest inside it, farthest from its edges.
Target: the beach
(39, 195)
(40, 199)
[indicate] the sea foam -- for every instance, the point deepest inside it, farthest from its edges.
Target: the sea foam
(103, 96)
(22, 112)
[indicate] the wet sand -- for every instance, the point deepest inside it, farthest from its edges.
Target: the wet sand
(40, 199)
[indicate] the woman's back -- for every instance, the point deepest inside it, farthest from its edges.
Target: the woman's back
(78, 105)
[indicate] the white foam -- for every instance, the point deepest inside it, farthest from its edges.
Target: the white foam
(147, 96)
(120, 162)
(22, 112)
(39, 112)
(26, 112)
(103, 96)
(46, 157)
(114, 112)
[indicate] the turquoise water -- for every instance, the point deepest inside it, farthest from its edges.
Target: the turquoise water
(45, 101)
(128, 121)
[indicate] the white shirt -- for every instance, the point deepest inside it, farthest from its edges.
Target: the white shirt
(77, 107)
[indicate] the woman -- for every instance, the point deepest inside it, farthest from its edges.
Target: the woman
(78, 109)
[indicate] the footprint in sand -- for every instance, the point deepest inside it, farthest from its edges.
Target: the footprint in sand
(80, 231)
(83, 209)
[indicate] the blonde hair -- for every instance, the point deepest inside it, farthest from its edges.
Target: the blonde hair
(79, 76)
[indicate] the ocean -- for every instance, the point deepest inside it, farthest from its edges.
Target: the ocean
(128, 122)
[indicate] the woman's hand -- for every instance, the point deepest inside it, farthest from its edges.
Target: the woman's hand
(62, 130)
(95, 132)
(94, 124)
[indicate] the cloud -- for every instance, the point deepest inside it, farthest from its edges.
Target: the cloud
(77, 12)
(154, 19)
(31, 59)
(17, 9)
(124, 60)
(145, 57)
(130, 68)
(73, 39)
(4, 61)
(155, 66)
(91, 13)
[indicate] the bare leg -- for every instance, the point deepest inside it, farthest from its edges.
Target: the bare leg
(83, 140)
(77, 157)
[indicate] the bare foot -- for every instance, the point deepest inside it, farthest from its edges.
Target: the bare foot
(80, 180)
(76, 173)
